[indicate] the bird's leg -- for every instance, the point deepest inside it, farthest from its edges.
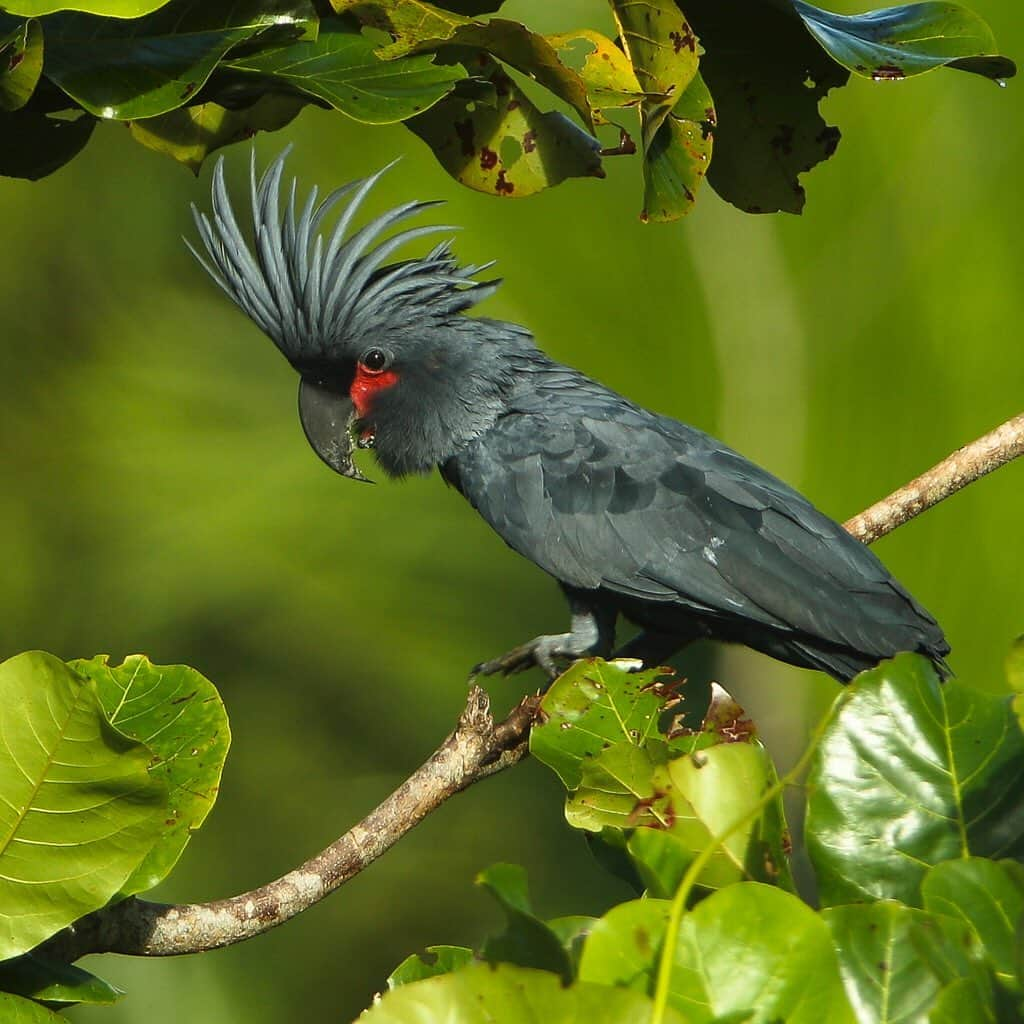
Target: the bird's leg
(652, 648)
(592, 632)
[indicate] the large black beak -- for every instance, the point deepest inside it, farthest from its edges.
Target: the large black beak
(327, 419)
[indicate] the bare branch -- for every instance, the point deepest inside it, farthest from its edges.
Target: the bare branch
(965, 465)
(478, 747)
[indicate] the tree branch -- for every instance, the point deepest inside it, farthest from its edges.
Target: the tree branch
(965, 465)
(478, 747)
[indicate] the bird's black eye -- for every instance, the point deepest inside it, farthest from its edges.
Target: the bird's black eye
(375, 360)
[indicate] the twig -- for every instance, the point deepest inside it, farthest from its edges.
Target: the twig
(477, 748)
(965, 465)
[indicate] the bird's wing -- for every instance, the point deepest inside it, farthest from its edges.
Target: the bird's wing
(644, 506)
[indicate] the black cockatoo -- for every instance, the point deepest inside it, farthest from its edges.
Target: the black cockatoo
(633, 513)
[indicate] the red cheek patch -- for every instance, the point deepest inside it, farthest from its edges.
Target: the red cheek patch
(365, 386)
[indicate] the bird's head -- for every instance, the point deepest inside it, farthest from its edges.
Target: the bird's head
(382, 349)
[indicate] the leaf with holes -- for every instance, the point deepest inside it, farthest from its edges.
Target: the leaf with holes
(895, 960)
(443, 960)
(179, 715)
(190, 134)
(897, 42)
(340, 68)
(911, 773)
(148, 66)
(509, 149)
(80, 809)
(21, 64)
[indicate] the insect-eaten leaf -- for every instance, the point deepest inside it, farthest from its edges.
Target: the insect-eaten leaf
(510, 149)
(179, 715)
(81, 810)
(341, 69)
(21, 64)
(897, 42)
(190, 134)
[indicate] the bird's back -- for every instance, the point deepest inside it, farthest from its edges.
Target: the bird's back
(679, 531)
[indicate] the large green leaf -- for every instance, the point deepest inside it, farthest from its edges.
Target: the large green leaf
(443, 960)
(987, 896)
(506, 147)
(179, 715)
(190, 134)
(895, 960)
(897, 42)
(15, 1010)
(340, 68)
(51, 981)
(148, 66)
(767, 75)
(80, 809)
(623, 946)
(21, 64)
(482, 994)
(761, 954)
(912, 772)
(104, 8)
(33, 145)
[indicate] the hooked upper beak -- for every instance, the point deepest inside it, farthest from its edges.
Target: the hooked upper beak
(327, 419)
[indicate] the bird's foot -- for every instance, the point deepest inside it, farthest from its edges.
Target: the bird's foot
(544, 652)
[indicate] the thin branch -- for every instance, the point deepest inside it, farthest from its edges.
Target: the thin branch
(478, 747)
(965, 465)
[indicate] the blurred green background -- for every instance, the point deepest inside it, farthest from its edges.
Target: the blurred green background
(159, 497)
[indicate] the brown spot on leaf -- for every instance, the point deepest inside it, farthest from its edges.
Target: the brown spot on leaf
(727, 718)
(503, 186)
(190, 87)
(888, 73)
(529, 141)
(464, 130)
(685, 38)
(188, 696)
(16, 58)
(488, 158)
(514, 104)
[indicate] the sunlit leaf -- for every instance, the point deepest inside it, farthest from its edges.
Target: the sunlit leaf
(442, 960)
(104, 8)
(897, 42)
(895, 960)
(623, 946)
(80, 808)
(1015, 665)
(15, 1010)
(340, 68)
(148, 66)
(179, 715)
(510, 148)
(481, 994)
(607, 73)
(988, 897)
(21, 63)
(38, 977)
(912, 772)
(190, 134)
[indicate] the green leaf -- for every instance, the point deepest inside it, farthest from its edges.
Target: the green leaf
(767, 75)
(33, 145)
(135, 69)
(509, 148)
(679, 155)
(21, 64)
(897, 42)
(607, 73)
(958, 1003)
(1015, 665)
(444, 960)
(341, 69)
(572, 932)
(80, 809)
(15, 1010)
(179, 715)
(526, 941)
(190, 134)
(753, 949)
(50, 981)
(895, 960)
(105, 8)
(623, 946)
(989, 898)
(911, 773)
(481, 994)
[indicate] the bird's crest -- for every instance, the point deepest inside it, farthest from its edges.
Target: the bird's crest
(311, 295)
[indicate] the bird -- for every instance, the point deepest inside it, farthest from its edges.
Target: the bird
(636, 515)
